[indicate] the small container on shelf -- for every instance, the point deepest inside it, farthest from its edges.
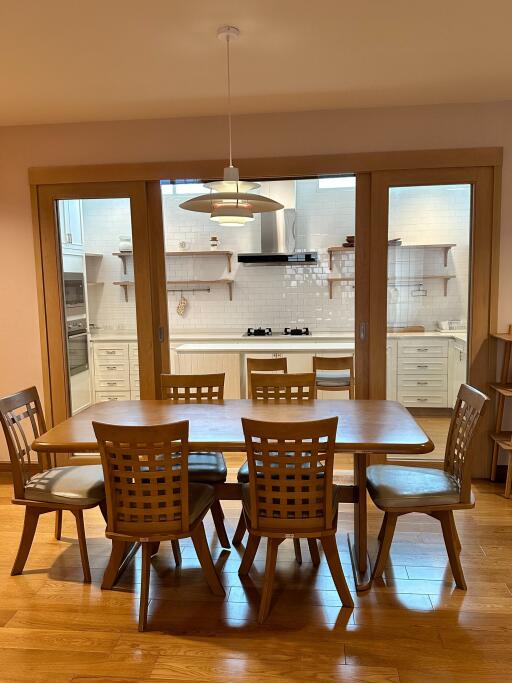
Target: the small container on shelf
(214, 242)
(125, 243)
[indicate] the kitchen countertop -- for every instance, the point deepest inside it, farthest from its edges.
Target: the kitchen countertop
(266, 346)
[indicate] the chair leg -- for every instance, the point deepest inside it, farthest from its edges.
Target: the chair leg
(58, 525)
(268, 581)
(298, 551)
(241, 528)
(218, 520)
(385, 537)
(176, 552)
(249, 554)
(455, 534)
(144, 586)
(82, 542)
(205, 560)
(103, 509)
(313, 551)
(448, 526)
(333, 560)
(117, 555)
(27, 536)
(154, 547)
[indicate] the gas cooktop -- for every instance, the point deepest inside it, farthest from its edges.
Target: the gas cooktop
(287, 332)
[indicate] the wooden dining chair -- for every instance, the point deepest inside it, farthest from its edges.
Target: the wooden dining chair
(291, 494)
(399, 490)
(149, 497)
(277, 388)
(264, 365)
(334, 374)
(53, 489)
(204, 467)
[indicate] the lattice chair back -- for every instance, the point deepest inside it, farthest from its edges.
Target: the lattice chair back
(467, 412)
(146, 478)
(290, 475)
(341, 363)
(264, 365)
(193, 388)
(286, 387)
(23, 421)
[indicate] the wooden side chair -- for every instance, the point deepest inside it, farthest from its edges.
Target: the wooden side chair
(149, 498)
(399, 490)
(334, 374)
(204, 467)
(291, 493)
(276, 388)
(264, 365)
(54, 489)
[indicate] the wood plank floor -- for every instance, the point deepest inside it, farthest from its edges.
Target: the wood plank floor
(413, 626)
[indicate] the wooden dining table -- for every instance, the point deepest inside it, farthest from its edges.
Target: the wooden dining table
(365, 427)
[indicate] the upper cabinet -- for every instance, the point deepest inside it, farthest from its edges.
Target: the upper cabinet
(71, 225)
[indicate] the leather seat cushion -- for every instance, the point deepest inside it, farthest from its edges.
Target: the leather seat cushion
(243, 474)
(73, 485)
(246, 499)
(333, 378)
(200, 497)
(207, 466)
(394, 486)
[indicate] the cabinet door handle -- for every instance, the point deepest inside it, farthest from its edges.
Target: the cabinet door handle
(422, 366)
(112, 384)
(422, 382)
(422, 349)
(422, 400)
(110, 353)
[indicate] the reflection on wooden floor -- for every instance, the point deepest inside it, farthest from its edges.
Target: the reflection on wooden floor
(413, 626)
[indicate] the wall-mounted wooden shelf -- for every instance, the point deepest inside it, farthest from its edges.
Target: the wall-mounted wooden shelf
(446, 248)
(91, 254)
(183, 284)
(124, 255)
(400, 281)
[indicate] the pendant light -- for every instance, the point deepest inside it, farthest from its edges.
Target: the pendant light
(229, 201)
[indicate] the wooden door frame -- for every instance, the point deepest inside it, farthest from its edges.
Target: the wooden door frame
(370, 169)
(149, 263)
(483, 277)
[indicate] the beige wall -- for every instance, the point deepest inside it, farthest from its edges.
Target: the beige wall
(260, 135)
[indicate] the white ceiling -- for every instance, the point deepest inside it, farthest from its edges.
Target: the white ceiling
(97, 60)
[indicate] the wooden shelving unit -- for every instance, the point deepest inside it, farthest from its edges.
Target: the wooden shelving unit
(124, 255)
(406, 281)
(503, 388)
(446, 248)
(185, 285)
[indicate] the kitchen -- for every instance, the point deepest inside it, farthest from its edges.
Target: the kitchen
(282, 285)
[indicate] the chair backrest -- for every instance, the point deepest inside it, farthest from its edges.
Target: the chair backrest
(23, 421)
(290, 474)
(146, 478)
(343, 363)
(467, 412)
(264, 365)
(193, 388)
(289, 387)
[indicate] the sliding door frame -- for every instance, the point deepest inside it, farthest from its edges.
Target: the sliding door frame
(374, 172)
(149, 263)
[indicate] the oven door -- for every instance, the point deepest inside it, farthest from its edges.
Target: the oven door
(78, 353)
(74, 294)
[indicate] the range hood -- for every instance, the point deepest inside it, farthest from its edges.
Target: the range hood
(278, 242)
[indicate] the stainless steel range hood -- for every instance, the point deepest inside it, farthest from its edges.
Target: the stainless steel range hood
(278, 242)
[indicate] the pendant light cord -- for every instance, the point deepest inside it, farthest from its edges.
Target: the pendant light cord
(228, 38)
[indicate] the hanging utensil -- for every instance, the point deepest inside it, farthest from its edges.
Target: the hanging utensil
(182, 305)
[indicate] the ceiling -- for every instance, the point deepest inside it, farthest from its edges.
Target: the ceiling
(100, 60)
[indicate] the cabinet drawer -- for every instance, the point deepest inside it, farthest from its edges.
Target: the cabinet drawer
(134, 351)
(420, 382)
(111, 384)
(112, 396)
(134, 382)
(430, 348)
(113, 370)
(429, 399)
(135, 395)
(104, 352)
(422, 366)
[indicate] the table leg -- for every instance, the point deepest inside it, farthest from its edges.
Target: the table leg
(358, 542)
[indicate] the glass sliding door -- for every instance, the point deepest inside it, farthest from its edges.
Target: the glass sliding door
(429, 231)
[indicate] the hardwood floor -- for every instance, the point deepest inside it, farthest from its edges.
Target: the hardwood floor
(413, 626)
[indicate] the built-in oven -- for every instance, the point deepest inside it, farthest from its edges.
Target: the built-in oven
(78, 348)
(74, 294)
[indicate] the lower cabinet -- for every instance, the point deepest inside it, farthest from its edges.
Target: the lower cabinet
(207, 363)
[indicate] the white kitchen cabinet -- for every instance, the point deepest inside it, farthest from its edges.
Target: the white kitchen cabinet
(391, 352)
(422, 372)
(207, 363)
(71, 224)
(457, 369)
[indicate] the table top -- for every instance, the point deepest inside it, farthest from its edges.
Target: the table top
(363, 426)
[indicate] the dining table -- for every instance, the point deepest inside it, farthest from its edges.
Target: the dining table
(366, 428)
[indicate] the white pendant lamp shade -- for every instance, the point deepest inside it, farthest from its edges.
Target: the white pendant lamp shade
(229, 202)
